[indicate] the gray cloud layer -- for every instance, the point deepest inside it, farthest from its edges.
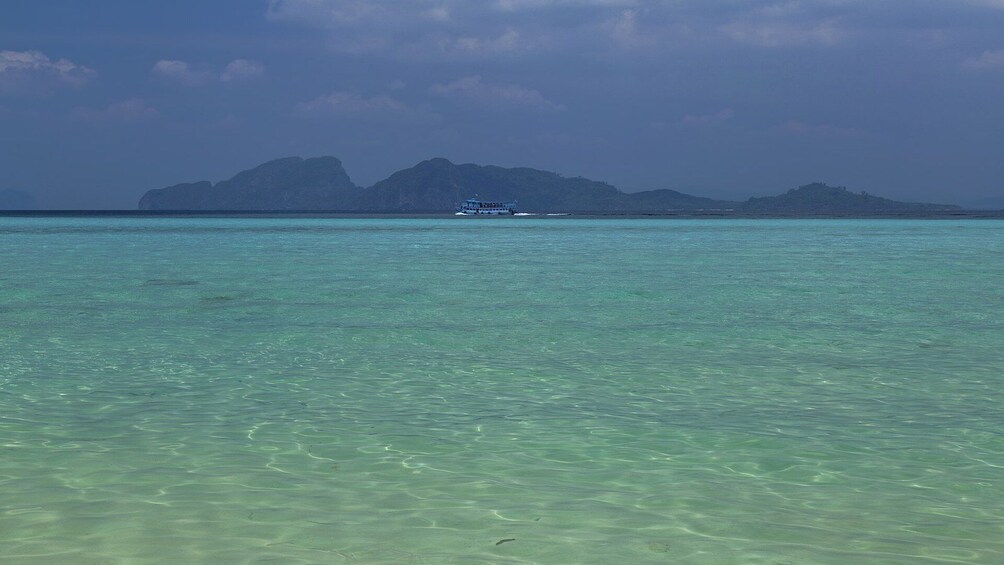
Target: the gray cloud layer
(729, 98)
(32, 70)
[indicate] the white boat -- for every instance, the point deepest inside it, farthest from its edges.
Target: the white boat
(475, 207)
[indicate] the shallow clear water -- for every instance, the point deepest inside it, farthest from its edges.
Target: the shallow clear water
(417, 390)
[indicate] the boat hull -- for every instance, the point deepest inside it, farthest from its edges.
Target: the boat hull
(475, 207)
(485, 212)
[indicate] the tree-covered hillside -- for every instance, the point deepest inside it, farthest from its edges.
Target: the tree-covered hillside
(321, 184)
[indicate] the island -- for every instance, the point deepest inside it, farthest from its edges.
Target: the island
(294, 184)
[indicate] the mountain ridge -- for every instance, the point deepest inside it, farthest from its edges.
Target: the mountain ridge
(288, 183)
(321, 184)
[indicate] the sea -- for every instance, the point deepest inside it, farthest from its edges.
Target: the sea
(501, 390)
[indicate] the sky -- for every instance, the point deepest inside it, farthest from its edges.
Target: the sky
(101, 101)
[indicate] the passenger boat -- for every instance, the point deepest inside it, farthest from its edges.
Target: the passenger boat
(475, 207)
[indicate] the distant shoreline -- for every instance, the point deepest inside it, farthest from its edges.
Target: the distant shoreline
(682, 214)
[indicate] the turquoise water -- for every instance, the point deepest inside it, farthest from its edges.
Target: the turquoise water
(234, 390)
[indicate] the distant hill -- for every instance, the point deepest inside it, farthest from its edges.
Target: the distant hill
(993, 203)
(291, 183)
(819, 198)
(665, 199)
(438, 185)
(16, 200)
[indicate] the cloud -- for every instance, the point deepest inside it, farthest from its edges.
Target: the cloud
(347, 103)
(181, 72)
(783, 34)
(433, 28)
(717, 117)
(794, 22)
(30, 69)
(795, 127)
(322, 12)
(126, 111)
(380, 107)
(438, 13)
(625, 30)
(514, 5)
(507, 41)
(356, 13)
(242, 69)
(986, 61)
(625, 26)
(360, 27)
(474, 89)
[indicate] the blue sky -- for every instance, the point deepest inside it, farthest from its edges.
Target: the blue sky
(101, 101)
